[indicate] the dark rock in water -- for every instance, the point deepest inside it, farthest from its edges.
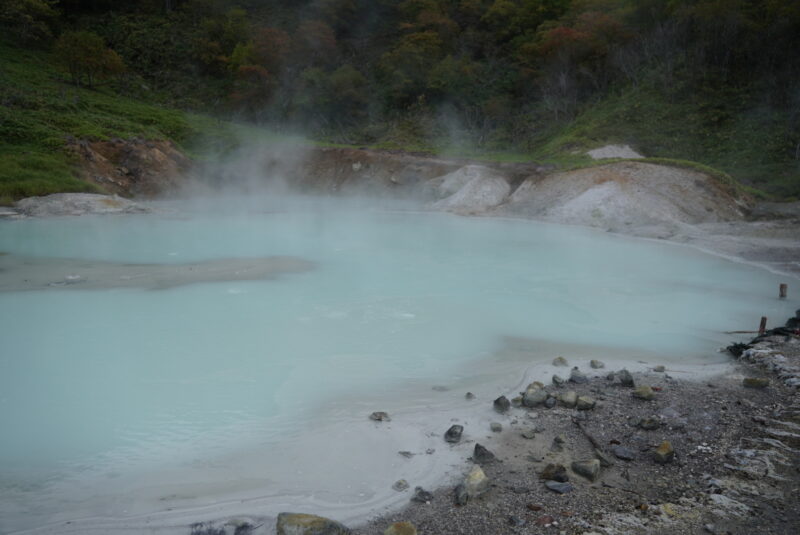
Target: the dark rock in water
(400, 485)
(550, 402)
(560, 488)
(453, 434)
(737, 349)
(597, 364)
(794, 323)
(577, 376)
(406, 454)
(558, 380)
(755, 382)
(422, 496)
(560, 361)
(496, 427)
(649, 424)
(469, 395)
(623, 453)
(244, 528)
(201, 528)
(380, 416)
(554, 472)
(664, 454)
(302, 524)
(481, 455)
(659, 369)
(625, 378)
(588, 469)
(502, 404)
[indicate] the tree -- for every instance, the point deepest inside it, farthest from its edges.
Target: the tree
(29, 20)
(86, 57)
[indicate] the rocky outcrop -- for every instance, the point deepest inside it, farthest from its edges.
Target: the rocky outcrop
(475, 189)
(131, 167)
(624, 195)
(66, 204)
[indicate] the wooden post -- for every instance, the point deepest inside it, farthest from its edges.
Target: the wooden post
(763, 327)
(783, 291)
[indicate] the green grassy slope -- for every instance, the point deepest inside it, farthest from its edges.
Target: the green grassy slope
(39, 110)
(728, 132)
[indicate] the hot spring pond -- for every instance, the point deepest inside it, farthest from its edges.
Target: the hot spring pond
(154, 405)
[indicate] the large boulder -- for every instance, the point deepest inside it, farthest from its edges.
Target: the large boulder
(303, 524)
(472, 189)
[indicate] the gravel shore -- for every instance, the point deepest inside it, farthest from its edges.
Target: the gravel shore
(734, 469)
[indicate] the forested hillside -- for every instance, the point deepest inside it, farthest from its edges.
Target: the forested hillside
(714, 81)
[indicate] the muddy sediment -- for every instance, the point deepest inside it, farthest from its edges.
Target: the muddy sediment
(32, 273)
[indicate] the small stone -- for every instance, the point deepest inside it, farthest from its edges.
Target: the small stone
(534, 507)
(476, 482)
(482, 455)
(588, 469)
(469, 396)
(560, 361)
(560, 488)
(534, 397)
(605, 461)
(659, 369)
(649, 424)
(664, 454)
(535, 385)
(569, 399)
(644, 392)
(400, 485)
(558, 380)
(401, 528)
(517, 401)
(554, 472)
(625, 378)
(578, 377)
(516, 521)
(406, 454)
(529, 433)
(596, 364)
(584, 403)
(558, 443)
(502, 404)
(422, 496)
(550, 402)
(623, 453)
(545, 521)
(380, 416)
(453, 434)
(496, 427)
(303, 524)
(755, 382)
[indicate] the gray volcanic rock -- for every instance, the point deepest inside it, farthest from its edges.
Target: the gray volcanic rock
(483, 191)
(502, 404)
(578, 377)
(588, 469)
(453, 434)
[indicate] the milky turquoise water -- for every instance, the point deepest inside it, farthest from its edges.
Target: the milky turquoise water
(117, 404)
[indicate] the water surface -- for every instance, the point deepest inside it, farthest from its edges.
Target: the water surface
(128, 407)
